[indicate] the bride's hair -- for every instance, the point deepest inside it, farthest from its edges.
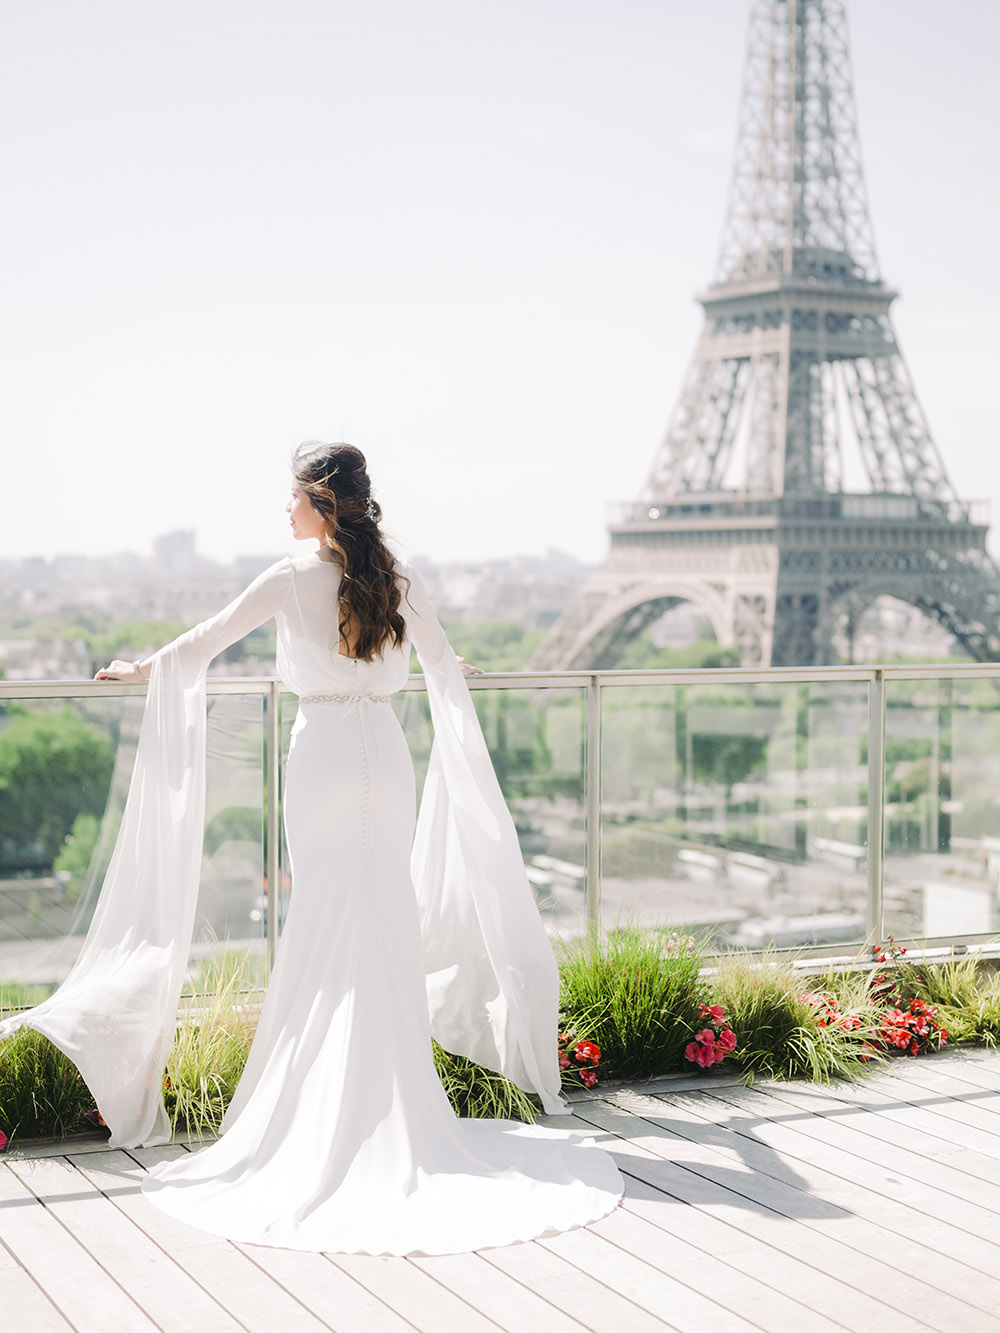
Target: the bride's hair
(335, 478)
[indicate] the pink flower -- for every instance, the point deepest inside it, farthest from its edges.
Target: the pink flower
(716, 1012)
(588, 1077)
(727, 1040)
(706, 1035)
(692, 1051)
(3, 1140)
(563, 1060)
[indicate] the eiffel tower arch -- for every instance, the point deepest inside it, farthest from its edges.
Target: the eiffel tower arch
(797, 374)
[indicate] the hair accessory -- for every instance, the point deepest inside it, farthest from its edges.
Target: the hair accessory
(370, 509)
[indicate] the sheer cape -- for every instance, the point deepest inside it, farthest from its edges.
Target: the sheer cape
(492, 978)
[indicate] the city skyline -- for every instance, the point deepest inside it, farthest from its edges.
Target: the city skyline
(451, 236)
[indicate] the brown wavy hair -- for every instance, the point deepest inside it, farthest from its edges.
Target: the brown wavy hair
(335, 477)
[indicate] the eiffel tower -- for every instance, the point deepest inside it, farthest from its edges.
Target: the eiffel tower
(746, 512)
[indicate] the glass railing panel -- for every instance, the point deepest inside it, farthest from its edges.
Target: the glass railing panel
(65, 765)
(942, 811)
(736, 811)
(231, 924)
(536, 739)
(65, 768)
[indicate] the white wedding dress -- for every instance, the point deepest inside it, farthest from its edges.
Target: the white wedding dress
(340, 1136)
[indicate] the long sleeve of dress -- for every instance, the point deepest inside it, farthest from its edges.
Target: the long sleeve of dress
(492, 980)
(115, 1014)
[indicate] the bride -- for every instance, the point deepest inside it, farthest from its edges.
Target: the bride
(339, 1136)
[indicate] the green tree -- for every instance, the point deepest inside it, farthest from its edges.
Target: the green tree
(53, 767)
(494, 645)
(725, 760)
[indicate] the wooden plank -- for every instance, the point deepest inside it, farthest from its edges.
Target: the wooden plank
(25, 1306)
(742, 1290)
(253, 1300)
(329, 1293)
(981, 1072)
(961, 1171)
(871, 1123)
(652, 1290)
(944, 1095)
(512, 1306)
(54, 1147)
(173, 1302)
(888, 1097)
(743, 1252)
(74, 1282)
(880, 1215)
(590, 1303)
(801, 1223)
(412, 1293)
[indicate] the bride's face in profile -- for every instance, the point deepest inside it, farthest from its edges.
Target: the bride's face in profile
(306, 522)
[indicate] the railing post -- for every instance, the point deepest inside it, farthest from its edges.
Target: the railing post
(272, 846)
(876, 803)
(592, 806)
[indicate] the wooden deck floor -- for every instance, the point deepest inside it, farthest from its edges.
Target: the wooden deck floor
(785, 1207)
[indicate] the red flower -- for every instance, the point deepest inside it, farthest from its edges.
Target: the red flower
(3, 1140)
(587, 1052)
(588, 1077)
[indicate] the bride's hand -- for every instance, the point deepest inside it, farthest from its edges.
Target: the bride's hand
(119, 670)
(468, 669)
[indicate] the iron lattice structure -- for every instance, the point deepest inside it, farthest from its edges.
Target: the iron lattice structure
(797, 377)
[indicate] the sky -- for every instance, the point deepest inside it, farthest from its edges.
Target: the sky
(464, 235)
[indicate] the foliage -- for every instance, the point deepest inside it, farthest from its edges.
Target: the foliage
(236, 823)
(78, 847)
(908, 1021)
(208, 1055)
(479, 1093)
(641, 653)
(41, 1093)
(20, 995)
(967, 998)
(636, 995)
(211, 973)
(53, 767)
(493, 644)
(781, 1034)
(578, 1060)
(129, 638)
(725, 760)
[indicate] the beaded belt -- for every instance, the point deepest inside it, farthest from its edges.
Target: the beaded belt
(361, 696)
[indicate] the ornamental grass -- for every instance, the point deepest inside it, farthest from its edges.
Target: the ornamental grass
(478, 1093)
(967, 998)
(43, 1096)
(210, 1050)
(41, 1093)
(788, 1028)
(635, 993)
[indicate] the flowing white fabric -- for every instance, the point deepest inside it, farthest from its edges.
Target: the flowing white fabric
(115, 1014)
(339, 1136)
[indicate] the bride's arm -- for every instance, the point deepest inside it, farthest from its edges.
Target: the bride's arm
(424, 628)
(196, 648)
